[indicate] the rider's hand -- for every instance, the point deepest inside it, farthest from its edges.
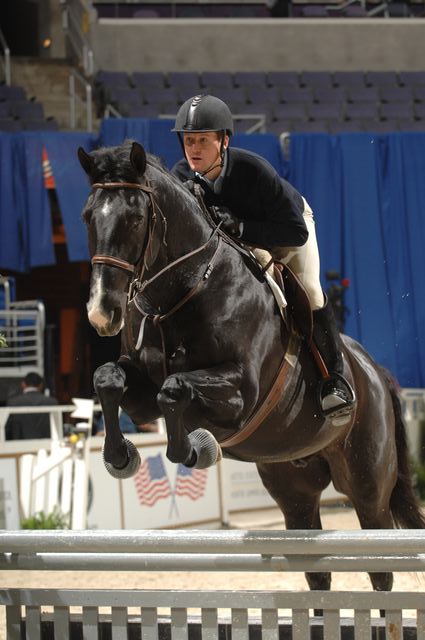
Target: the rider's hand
(229, 222)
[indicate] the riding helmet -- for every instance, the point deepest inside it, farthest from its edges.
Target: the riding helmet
(204, 113)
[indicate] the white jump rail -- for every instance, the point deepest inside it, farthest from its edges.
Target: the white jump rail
(191, 550)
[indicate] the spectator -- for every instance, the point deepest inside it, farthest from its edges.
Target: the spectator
(26, 426)
(126, 425)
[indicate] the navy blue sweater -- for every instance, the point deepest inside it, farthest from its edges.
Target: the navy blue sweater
(270, 208)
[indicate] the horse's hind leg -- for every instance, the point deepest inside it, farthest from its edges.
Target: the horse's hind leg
(297, 492)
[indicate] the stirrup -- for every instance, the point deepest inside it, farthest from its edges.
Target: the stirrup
(340, 413)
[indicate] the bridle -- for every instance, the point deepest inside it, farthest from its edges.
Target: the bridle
(112, 261)
(138, 285)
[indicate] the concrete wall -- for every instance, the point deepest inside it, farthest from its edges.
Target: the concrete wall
(266, 44)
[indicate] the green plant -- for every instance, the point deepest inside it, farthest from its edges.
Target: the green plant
(3, 342)
(54, 520)
(419, 479)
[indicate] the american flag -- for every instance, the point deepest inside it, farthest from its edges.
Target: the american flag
(190, 482)
(151, 481)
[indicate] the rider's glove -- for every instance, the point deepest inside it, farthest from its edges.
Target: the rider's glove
(229, 222)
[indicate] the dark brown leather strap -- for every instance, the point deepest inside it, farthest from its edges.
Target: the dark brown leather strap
(271, 399)
(113, 262)
(122, 185)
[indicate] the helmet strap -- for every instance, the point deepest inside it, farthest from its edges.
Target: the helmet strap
(221, 156)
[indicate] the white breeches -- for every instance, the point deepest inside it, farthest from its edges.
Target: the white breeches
(303, 261)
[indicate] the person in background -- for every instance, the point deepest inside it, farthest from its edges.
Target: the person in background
(27, 426)
(126, 425)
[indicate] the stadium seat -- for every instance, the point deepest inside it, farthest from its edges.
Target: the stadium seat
(293, 111)
(325, 111)
(389, 93)
(250, 79)
(349, 78)
(362, 111)
(396, 110)
(316, 78)
(380, 78)
(412, 78)
(148, 79)
(362, 94)
(217, 80)
(283, 79)
(263, 94)
(296, 94)
(330, 94)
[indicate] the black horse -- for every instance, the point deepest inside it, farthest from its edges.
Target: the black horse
(204, 345)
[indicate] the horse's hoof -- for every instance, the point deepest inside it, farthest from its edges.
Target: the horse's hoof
(206, 447)
(131, 467)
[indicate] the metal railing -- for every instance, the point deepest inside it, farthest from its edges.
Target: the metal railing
(345, 614)
(5, 59)
(72, 26)
(74, 99)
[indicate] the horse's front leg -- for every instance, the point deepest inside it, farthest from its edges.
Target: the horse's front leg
(120, 456)
(213, 392)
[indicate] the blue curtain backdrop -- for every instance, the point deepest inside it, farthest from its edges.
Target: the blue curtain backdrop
(367, 193)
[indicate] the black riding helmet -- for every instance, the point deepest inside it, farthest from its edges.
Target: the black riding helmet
(204, 113)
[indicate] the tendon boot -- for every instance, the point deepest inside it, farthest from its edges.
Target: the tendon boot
(336, 397)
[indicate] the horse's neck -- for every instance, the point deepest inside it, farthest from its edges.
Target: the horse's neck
(186, 227)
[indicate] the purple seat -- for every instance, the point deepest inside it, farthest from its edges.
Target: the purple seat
(316, 78)
(148, 79)
(231, 96)
(9, 125)
(363, 94)
(250, 79)
(419, 110)
(362, 111)
(186, 83)
(161, 95)
(395, 94)
(263, 94)
(281, 126)
(123, 95)
(40, 125)
(411, 125)
(27, 109)
(349, 78)
(217, 79)
(316, 126)
(418, 93)
(112, 78)
(283, 79)
(381, 78)
(330, 94)
(257, 108)
(12, 92)
(325, 111)
(293, 111)
(296, 94)
(141, 111)
(380, 126)
(5, 110)
(396, 110)
(411, 78)
(345, 126)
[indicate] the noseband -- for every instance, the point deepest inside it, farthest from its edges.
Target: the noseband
(111, 260)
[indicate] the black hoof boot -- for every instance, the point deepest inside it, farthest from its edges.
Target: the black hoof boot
(130, 468)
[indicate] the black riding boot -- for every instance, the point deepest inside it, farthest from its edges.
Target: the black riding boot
(336, 395)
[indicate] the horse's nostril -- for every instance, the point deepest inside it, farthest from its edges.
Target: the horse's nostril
(116, 316)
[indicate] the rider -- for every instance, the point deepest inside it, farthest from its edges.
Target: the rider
(261, 209)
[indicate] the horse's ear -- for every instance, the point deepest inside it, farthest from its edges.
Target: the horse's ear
(138, 158)
(86, 161)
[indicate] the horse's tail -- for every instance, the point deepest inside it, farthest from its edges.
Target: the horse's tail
(404, 504)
